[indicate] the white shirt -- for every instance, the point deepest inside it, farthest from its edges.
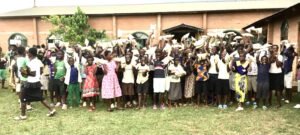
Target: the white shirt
(34, 65)
(128, 76)
(223, 73)
(253, 65)
(178, 70)
(274, 69)
(141, 69)
(213, 60)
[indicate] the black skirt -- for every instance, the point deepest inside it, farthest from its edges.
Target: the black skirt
(32, 92)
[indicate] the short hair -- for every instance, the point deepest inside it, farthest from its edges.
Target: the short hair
(106, 53)
(33, 51)
(21, 50)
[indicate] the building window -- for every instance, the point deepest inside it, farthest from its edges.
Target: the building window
(17, 39)
(284, 30)
(140, 38)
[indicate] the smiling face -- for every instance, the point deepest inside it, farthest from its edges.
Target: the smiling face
(60, 55)
(264, 60)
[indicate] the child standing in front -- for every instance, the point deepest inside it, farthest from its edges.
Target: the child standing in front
(110, 83)
(223, 80)
(241, 67)
(175, 72)
(73, 79)
(58, 84)
(91, 86)
(201, 68)
(263, 80)
(142, 82)
(128, 81)
(159, 80)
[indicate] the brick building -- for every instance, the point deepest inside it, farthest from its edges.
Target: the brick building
(26, 26)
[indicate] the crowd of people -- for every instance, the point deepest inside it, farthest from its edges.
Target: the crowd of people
(217, 70)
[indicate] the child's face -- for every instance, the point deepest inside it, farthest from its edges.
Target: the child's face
(143, 61)
(71, 62)
(90, 61)
(109, 56)
(142, 52)
(264, 60)
(158, 56)
(214, 50)
(60, 55)
(127, 58)
(223, 55)
(176, 62)
(53, 54)
(242, 57)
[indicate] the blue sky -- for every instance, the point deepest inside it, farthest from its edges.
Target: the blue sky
(11, 5)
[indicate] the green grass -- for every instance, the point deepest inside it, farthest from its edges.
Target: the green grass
(182, 120)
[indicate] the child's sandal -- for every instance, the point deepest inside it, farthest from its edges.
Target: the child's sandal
(94, 107)
(20, 118)
(52, 113)
(110, 110)
(90, 110)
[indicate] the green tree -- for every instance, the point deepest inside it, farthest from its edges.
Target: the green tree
(74, 28)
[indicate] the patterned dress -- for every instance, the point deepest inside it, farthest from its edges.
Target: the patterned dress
(241, 80)
(110, 83)
(91, 86)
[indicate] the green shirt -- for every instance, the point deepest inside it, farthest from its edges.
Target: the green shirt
(21, 62)
(60, 69)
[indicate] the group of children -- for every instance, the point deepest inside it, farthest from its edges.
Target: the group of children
(213, 70)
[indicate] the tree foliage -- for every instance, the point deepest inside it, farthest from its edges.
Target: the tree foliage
(74, 28)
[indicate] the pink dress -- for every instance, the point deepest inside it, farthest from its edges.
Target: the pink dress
(110, 83)
(91, 86)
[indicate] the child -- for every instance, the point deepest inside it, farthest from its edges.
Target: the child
(201, 80)
(73, 78)
(58, 84)
(189, 89)
(3, 61)
(142, 82)
(110, 84)
(91, 86)
(223, 80)
(213, 74)
(51, 77)
(175, 72)
(276, 77)
(241, 67)
(263, 80)
(128, 80)
(32, 91)
(159, 80)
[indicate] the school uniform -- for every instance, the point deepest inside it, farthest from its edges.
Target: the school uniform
(142, 81)
(128, 80)
(213, 74)
(223, 79)
(175, 92)
(276, 77)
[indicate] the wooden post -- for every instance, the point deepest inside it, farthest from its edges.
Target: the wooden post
(114, 28)
(35, 31)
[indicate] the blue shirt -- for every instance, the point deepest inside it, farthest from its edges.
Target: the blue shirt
(288, 63)
(263, 72)
(74, 75)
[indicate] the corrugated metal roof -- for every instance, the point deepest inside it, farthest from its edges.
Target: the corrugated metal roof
(154, 8)
(280, 14)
